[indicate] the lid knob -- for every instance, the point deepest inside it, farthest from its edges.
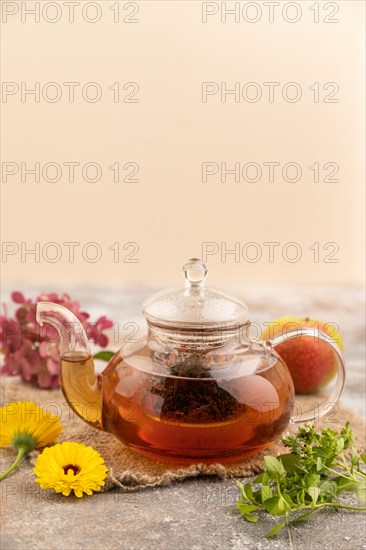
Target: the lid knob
(195, 272)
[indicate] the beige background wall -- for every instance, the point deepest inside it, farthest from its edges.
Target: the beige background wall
(169, 212)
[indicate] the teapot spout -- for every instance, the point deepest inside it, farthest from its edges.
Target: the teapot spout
(80, 385)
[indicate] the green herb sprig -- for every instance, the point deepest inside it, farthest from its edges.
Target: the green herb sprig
(306, 480)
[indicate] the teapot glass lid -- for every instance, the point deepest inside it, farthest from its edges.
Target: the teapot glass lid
(195, 305)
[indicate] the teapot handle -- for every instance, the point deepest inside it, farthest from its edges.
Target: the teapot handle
(307, 416)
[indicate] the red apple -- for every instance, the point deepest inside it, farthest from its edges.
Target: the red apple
(311, 362)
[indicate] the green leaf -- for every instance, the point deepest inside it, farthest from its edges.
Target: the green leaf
(340, 445)
(345, 484)
(289, 500)
(361, 491)
(274, 467)
(104, 355)
(257, 496)
(249, 491)
(355, 462)
(312, 480)
(253, 518)
(319, 464)
(266, 493)
(242, 490)
(246, 508)
(246, 491)
(276, 529)
(291, 463)
(276, 505)
(363, 457)
(328, 488)
(314, 493)
(262, 478)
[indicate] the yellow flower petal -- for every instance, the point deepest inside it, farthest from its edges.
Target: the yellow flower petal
(70, 467)
(26, 419)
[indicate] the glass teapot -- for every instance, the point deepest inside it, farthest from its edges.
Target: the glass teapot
(196, 388)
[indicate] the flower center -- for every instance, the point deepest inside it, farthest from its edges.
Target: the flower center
(74, 468)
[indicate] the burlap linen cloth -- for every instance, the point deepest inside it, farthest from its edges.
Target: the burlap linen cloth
(130, 471)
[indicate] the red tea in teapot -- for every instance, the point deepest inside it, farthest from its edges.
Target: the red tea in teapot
(192, 413)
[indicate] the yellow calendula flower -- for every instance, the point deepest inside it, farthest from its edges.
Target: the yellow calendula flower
(26, 427)
(70, 467)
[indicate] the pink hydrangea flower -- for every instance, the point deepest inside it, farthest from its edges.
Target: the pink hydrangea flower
(26, 349)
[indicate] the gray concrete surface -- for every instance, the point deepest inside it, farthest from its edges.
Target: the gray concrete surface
(198, 514)
(193, 515)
